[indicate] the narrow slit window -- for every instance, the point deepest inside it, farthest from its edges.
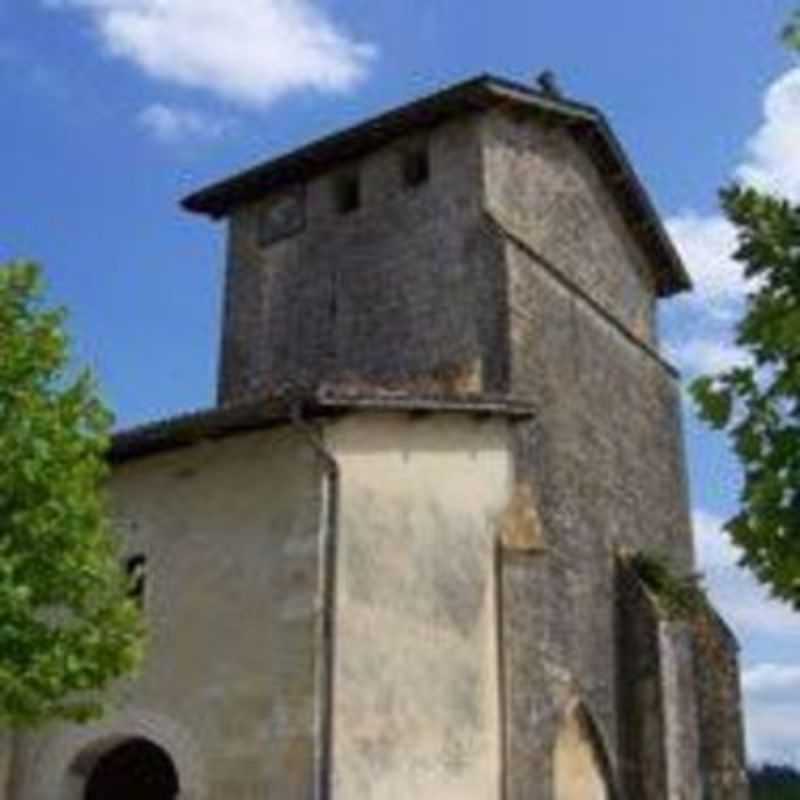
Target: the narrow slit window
(416, 167)
(136, 570)
(348, 193)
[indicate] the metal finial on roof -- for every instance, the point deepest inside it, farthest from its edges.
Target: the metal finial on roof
(548, 83)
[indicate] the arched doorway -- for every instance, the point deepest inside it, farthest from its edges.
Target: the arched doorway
(137, 769)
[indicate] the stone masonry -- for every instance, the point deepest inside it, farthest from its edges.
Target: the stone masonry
(519, 270)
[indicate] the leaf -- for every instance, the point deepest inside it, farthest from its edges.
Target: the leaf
(66, 624)
(765, 397)
(791, 32)
(715, 405)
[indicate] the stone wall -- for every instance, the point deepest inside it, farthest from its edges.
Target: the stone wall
(6, 764)
(399, 294)
(642, 730)
(662, 735)
(605, 455)
(540, 181)
(722, 754)
(231, 535)
(682, 739)
(607, 462)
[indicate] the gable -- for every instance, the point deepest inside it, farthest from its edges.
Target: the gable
(544, 188)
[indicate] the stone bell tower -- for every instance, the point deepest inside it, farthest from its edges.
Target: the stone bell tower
(492, 241)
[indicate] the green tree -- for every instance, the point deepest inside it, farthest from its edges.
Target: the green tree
(774, 782)
(67, 626)
(791, 32)
(759, 405)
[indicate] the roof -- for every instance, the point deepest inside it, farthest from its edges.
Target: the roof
(586, 123)
(223, 421)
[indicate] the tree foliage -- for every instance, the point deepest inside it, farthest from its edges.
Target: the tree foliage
(67, 627)
(758, 405)
(774, 782)
(791, 32)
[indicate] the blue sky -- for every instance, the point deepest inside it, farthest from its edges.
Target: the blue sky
(111, 110)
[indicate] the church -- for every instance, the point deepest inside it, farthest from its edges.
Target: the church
(401, 559)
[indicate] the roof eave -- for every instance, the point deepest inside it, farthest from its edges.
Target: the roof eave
(679, 278)
(316, 157)
(225, 421)
(480, 93)
(476, 94)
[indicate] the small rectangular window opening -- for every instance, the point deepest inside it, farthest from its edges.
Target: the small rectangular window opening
(136, 569)
(416, 167)
(348, 193)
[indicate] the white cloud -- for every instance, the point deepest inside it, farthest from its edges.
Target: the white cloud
(771, 690)
(772, 731)
(744, 603)
(171, 125)
(768, 679)
(773, 708)
(706, 244)
(770, 162)
(702, 355)
(773, 153)
(249, 51)
(714, 549)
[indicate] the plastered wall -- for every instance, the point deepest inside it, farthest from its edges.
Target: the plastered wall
(231, 531)
(416, 698)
